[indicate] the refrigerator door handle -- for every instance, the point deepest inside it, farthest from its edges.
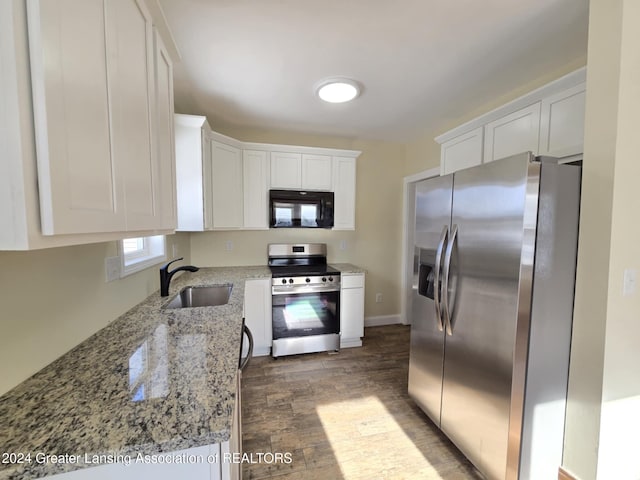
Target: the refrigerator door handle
(445, 281)
(436, 289)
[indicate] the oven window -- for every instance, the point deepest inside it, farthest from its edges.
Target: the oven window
(301, 314)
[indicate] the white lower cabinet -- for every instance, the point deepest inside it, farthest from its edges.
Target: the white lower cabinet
(351, 310)
(257, 314)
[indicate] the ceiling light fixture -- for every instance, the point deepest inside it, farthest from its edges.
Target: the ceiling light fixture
(338, 90)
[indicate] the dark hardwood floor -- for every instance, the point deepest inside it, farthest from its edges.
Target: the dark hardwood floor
(343, 416)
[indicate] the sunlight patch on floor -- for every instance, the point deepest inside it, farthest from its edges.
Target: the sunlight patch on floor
(369, 443)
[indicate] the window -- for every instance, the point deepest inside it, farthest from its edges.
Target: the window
(141, 252)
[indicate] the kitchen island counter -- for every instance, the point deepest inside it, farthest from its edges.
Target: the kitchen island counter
(153, 380)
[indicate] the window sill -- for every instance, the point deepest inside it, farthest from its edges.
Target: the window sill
(140, 264)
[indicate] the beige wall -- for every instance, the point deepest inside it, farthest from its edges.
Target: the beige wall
(53, 299)
(604, 391)
(374, 245)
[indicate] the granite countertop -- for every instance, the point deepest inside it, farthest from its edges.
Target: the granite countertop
(347, 268)
(153, 380)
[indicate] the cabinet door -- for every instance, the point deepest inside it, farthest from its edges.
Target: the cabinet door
(132, 98)
(463, 151)
(316, 172)
(193, 172)
(255, 165)
(226, 166)
(77, 178)
(286, 170)
(344, 188)
(231, 470)
(257, 314)
(352, 315)
(562, 123)
(515, 133)
(165, 137)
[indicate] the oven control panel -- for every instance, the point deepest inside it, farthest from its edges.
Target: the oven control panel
(328, 280)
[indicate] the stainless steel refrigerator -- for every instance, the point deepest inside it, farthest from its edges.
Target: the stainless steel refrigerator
(494, 275)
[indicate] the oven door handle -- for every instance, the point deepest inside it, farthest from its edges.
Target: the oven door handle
(245, 362)
(302, 289)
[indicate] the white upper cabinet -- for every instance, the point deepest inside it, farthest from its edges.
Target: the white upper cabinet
(193, 173)
(301, 171)
(461, 152)
(344, 187)
(547, 121)
(562, 123)
(132, 99)
(227, 180)
(255, 165)
(316, 172)
(223, 184)
(512, 134)
(165, 136)
(86, 96)
(78, 177)
(286, 170)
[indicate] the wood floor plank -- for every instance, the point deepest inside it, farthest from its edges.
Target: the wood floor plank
(344, 416)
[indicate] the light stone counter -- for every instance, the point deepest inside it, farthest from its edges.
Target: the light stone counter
(153, 380)
(347, 268)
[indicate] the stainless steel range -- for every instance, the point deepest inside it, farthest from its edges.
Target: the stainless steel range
(306, 299)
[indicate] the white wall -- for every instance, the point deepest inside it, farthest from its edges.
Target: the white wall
(55, 298)
(603, 410)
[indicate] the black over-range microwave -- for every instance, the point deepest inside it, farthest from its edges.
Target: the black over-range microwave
(300, 209)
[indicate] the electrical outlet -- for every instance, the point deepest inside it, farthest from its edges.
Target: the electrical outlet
(112, 268)
(629, 282)
(378, 298)
(229, 245)
(343, 244)
(174, 251)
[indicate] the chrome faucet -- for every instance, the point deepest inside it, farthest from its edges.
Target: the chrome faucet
(165, 275)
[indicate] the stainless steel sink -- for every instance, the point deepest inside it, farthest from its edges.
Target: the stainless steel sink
(208, 296)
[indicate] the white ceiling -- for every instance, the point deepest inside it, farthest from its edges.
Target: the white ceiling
(256, 63)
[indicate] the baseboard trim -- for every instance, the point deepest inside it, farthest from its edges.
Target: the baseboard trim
(261, 352)
(565, 475)
(350, 342)
(380, 320)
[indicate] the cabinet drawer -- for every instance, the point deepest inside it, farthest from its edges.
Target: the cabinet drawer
(352, 281)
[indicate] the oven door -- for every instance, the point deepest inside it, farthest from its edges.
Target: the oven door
(300, 314)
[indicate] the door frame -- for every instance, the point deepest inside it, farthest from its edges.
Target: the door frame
(408, 233)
